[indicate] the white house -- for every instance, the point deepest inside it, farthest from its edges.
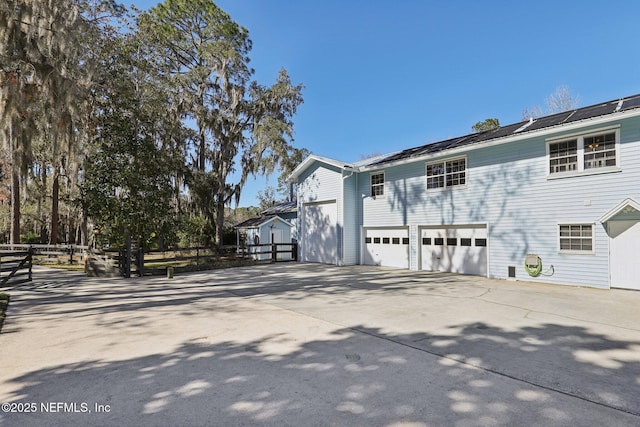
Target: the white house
(554, 199)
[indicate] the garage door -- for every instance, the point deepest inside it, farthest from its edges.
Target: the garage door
(459, 249)
(320, 239)
(386, 246)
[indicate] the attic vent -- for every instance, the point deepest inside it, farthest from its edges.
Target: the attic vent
(619, 105)
(524, 126)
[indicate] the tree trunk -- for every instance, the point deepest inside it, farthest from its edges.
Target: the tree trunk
(15, 207)
(220, 220)
(55, 193)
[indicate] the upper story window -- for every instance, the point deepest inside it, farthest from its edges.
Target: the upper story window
(377, 184)
(563, 156)
(592, 153)
(600, 151)
(447, 173)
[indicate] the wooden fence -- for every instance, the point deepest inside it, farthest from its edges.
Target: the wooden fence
(139, 263)
(15, 266)
(73, 254)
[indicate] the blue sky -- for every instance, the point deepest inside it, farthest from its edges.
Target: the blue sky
(381, 76)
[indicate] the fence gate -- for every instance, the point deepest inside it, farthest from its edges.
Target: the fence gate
(15, 267)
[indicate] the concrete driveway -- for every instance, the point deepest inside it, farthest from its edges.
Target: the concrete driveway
(303, 344)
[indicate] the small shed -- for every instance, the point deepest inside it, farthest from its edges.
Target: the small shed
(288, 211)
(263, 230)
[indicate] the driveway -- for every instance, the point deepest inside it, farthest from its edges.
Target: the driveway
(306, 344)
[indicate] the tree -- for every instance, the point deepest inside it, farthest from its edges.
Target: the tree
(203, 57)
(488, 124)
(267, 198)
(44, 77)
(127, 187)
(560, 100)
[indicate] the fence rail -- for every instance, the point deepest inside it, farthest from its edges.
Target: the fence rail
(69, 253)
(15, 267)
(138, 263)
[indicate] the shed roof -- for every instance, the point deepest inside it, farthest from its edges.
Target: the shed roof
(284, 207)
(261, 220)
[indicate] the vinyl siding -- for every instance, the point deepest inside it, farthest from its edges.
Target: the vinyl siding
(351, 234)
(321, 182)
(508, 189)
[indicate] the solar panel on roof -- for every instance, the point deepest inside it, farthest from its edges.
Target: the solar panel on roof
(631, 103)
(593, 111)
(541, 123)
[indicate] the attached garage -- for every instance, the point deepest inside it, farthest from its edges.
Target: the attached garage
(387, 247)
(455, 249)
(319, 228)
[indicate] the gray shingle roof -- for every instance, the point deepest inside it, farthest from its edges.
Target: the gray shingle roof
(254, 222)
(284, 207)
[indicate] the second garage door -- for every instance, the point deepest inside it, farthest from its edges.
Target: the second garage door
(388, 247)
(455, 249)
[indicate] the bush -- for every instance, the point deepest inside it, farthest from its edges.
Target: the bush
(30, 237)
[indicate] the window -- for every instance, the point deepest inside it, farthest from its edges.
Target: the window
(592, 153)
(426, 240)
(377, 184)
(465, 241)
(600, 151)
(576, 237)
(367, 239)
(376, 240)
(481, 242)
(563, 156)
(438, 241)
(449, 173)
(386, 240)
(395, 241)
(405, 240)
(452, 241)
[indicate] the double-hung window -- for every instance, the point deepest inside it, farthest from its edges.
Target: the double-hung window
(447, 173)
(584, 154)
(377, 184)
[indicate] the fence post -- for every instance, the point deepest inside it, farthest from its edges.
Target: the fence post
(140, 262)
(70, 254)
(30, 261)
(198, 258)
(294, 251)
(274, 252)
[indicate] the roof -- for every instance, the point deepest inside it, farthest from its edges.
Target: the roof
(280, 208)
(261, 220)
(312, 159)
(627, 206)
(526, 126)
(501, 135)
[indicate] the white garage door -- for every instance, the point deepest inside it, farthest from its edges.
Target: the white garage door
(388, 247)
(320, 239)
(459, 249)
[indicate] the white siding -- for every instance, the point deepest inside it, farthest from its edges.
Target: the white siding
(351, 241)
(507, 188)
(321, 183)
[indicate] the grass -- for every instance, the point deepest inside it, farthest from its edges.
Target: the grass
(4, 303)
(60, 265)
